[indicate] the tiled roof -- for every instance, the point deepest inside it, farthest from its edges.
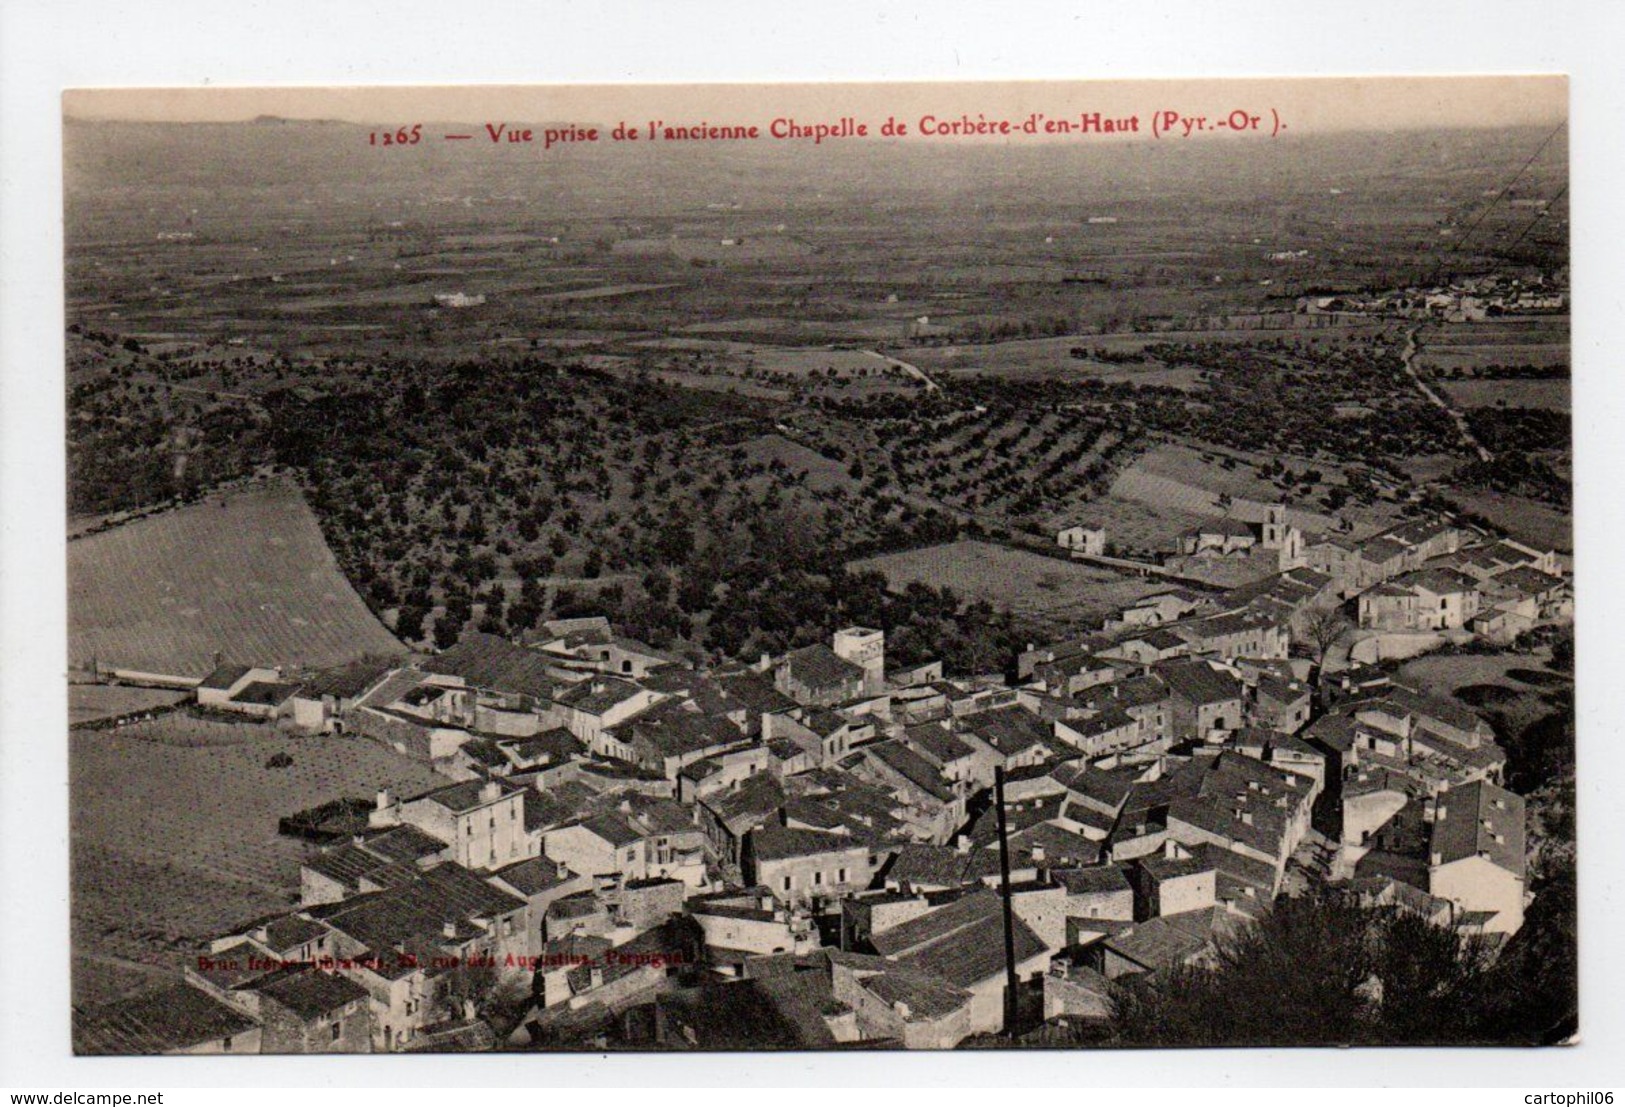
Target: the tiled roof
(1198, 682)
(445, 894)
(1094, 881)
(494, 664)
(675, 732)
(175, 1018)
(1161, 868)
(1529, 581)
(290, 932)
(975, 952)
(1010, 730)
(613, 828)
(1225, 527)
(818, 666)
(533, 875)
(932, 866)
(925, 997)
(1481, 819)
(1380, 551)
(923, 930)
(1059, 846)
(1441, 582)
(757, 797)
(345, 864)
(936, 743)
(467, 795)
(394, 686)
(756, 692)
(778, 843)
(266, 693)
(224, 676)
(347, 681)
(1166, 940)
(557, 745)
(598, 695)
(228, 968)
(310, 994)
(912, 767)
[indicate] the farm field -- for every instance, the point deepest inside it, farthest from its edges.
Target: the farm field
(1553, 395)
(1194, 482)
(89, 702)
(1049, 358)
(174, 827)
(1524, 519)
(1133, 527)
(1027, 584)
(246, 575)
(1442, 674)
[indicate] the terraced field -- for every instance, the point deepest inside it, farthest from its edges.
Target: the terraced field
(174, 831)
(245, 575)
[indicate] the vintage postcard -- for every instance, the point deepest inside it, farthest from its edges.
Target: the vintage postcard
(810, 567)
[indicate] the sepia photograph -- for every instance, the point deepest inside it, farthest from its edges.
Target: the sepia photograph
(1053, 565)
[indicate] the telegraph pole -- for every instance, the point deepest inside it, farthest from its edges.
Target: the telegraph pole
(1010, 981)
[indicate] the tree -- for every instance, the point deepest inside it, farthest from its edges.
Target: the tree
(1324, 627)
(1319, 969)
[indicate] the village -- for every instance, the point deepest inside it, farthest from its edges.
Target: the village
(820, 848)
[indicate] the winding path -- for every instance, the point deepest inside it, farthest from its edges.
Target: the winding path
(1408, 356)
(911, 370)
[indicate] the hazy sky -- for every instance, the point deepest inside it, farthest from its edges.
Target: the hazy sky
(1305, 104)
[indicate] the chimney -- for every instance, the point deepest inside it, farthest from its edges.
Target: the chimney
(626, 807)
(901, 1008)
(490, 792)
(596, 976)
(962, 843)
(449, 929)
(767, 902)
(385, 799)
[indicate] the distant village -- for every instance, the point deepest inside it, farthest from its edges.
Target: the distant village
(808, 850)
(1468, 301)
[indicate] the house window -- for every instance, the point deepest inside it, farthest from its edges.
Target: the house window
(818, 877)
(338, 1028)
(469, 827)
(225, 1045)
(840, 876)
(786, 884)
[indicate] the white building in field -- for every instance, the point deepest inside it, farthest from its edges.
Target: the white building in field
(1085, 540)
